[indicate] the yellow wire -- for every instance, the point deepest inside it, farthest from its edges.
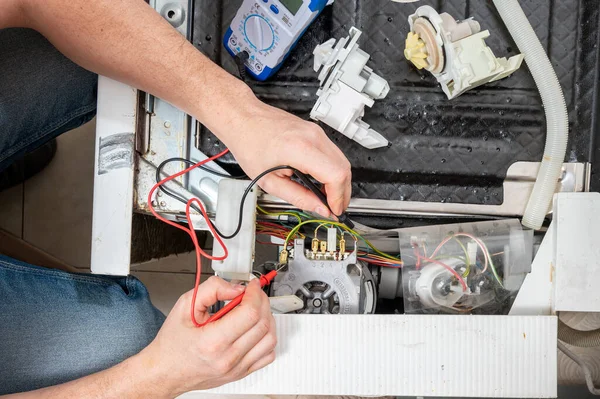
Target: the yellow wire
(317, 229)
(467, 259)
(279, 213)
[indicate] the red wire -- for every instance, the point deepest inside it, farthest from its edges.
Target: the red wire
(200, 252)
(190, 230)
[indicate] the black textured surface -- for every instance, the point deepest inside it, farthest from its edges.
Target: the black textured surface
(455, 151)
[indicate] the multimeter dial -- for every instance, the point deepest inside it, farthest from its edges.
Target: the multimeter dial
(259, 32)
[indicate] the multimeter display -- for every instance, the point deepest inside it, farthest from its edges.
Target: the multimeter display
(292, 5)
(268, 30)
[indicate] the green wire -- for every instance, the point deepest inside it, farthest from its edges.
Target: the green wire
(343, 226)
(492, 266)
(279, 213)
(467, 259)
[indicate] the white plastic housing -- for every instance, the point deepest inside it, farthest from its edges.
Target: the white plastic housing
(238, 265)
(347, 86)
(469, 62)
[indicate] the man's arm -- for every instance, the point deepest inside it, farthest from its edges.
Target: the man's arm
(126, 380)
(128, 41)
(183, 357)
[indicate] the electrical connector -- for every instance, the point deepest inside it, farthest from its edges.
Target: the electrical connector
(315, 245)
(331, 239)
(283, 257)
(342, 246)
(323, 245)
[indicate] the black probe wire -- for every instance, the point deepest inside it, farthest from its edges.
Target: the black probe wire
(342, 218)
(195, 207)
(246, 192)
(189, 163)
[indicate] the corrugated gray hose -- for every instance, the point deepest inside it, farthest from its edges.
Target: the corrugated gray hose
(589, 380)
(557, 119)
(582, 339)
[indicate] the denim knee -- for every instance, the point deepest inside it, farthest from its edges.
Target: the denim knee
(57, 326)
(42, 93)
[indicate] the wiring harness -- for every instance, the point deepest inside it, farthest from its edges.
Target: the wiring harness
(274, 229)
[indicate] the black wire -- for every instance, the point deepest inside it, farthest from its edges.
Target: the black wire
(187, 162)
(203, 167)
(246, 192)
(296, 172)
(196, 208)
(240, 60)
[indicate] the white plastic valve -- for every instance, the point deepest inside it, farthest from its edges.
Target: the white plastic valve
(347, 85)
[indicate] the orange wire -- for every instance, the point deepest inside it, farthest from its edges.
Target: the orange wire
(190, 231)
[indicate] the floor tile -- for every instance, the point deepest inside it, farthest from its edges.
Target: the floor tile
(58, 201)
(166, 288)
(181, 263)
(11, 210)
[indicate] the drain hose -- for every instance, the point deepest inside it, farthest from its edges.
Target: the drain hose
(557, 121)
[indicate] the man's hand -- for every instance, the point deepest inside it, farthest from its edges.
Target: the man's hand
(262, 137)
(184, 357)
(112, 38)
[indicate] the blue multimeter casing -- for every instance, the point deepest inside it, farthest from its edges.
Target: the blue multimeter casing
(268, 30)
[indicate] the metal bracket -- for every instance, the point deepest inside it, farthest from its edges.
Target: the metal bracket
(517, 188)
(167, 132)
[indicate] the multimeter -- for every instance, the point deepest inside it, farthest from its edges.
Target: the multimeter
(268, 30)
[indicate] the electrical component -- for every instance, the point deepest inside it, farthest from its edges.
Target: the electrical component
(435, 286)
(331, 240)
(454, 52)
(267, 31)
(323, 246)
(283, 257)
(347, 85)
(238, 265)
(327, 286)
(463, 268)
(342, 246)
(315, 245)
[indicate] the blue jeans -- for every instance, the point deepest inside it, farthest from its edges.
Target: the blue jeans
(57, 326)
(42, 93)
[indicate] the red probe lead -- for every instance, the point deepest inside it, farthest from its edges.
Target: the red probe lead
(264, 281)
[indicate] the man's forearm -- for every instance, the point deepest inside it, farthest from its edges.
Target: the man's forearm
(128, 41)
(132, 379)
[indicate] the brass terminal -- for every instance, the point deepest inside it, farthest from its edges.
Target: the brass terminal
(283, 257)
(342, 246)
(323, 245)
(315, 245)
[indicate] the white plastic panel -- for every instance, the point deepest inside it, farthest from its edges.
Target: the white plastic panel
(577, 259)
(421, 355)
(113, 178)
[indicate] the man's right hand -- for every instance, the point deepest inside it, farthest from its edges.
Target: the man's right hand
(183, 357)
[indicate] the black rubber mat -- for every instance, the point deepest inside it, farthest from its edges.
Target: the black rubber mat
(454, 151)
